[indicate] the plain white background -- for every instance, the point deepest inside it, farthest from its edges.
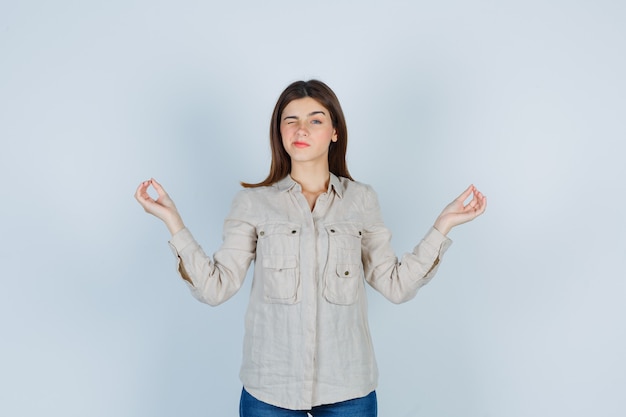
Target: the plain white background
(526, 99)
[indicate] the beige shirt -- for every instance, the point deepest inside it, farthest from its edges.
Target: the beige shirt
(307, 340)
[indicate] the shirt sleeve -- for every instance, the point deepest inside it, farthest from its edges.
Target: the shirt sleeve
(215, 280)
(398, 281)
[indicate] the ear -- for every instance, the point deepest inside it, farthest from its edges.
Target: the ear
(334, 136)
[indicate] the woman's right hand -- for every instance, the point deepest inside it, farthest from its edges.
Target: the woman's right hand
(163, 207)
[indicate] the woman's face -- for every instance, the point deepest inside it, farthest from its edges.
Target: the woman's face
(307, 131)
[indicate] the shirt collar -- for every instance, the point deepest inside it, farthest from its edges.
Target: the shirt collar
(288, 183)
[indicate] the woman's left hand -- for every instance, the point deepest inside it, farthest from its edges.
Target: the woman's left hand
(458, 212)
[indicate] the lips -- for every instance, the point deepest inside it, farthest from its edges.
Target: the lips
(301, 144)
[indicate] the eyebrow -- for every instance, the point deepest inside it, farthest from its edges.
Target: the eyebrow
(313, 113)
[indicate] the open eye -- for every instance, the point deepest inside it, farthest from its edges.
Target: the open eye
(316, 122)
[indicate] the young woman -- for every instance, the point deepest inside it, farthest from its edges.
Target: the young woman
(315, 236)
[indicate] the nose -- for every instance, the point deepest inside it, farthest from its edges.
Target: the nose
(302, 129)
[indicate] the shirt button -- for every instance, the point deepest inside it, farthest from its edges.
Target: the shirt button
(262, 233)
(293, 232)
(347, 273)
(332, 230)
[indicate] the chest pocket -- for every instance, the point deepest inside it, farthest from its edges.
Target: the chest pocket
(279, 246)
(343, 271)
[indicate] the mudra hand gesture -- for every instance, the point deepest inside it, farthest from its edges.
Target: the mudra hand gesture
(163, 207)
(458, 212)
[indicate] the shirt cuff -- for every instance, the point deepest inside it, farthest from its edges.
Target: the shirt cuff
(181, 240)
(437, 239)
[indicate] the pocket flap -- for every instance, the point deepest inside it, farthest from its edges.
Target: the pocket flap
(352, 229)
(269, 229)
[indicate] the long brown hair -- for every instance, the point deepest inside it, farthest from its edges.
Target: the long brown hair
(281, 162)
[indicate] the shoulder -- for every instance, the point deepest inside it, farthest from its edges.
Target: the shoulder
(248, 203)
(356, 189)
(255, 193)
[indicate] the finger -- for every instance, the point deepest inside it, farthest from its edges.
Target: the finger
(465, 194)
(477, 205)
(480, 197)
(477, 195)
(477, 198)
(481, 205)
(158, 187)
(141, 192)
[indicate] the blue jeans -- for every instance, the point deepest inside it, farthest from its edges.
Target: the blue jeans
(359, 407)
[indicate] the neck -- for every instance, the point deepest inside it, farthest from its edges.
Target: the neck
(312, 178)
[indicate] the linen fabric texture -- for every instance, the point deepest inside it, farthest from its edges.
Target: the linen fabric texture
(307, 340)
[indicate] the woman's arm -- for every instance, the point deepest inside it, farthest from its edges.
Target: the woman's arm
(399, 280)
(212, 280)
